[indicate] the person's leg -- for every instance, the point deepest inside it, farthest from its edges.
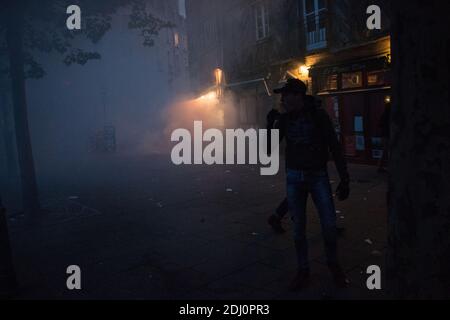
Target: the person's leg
(297, 195)
(322, 196)
(323, 199)
(275, 219)
(282, 209)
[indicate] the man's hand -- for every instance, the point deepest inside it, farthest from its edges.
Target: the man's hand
(343, 190)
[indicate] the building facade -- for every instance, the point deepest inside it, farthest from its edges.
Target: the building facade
(349, 69)
(204, 41)
(252, 42)
(260, 43)
(172, 42)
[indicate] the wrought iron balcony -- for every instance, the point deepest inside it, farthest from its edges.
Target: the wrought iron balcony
(316, 30)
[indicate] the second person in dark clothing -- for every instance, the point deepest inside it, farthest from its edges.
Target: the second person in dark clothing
(275, 220)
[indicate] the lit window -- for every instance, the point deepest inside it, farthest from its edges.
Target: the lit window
(329, 82)
(351, 80)
(332, 82)
(262, 20)
(376, 78)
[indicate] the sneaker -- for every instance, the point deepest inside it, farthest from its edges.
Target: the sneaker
(339, 277)
(301, 281)
(275, 223)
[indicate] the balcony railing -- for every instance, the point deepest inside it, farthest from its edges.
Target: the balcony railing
(316, 30)
(316, 39)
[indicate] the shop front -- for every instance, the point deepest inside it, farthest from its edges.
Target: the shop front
(355, 95)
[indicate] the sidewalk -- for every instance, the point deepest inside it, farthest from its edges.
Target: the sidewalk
(144, 229)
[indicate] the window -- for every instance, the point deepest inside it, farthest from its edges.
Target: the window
(262, 20)
(333, 82)
(329, 82)
(352, 80)
(182, 8)
(315, 23)
(376, 78)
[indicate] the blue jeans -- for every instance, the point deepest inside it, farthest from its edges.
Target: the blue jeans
(299, 185)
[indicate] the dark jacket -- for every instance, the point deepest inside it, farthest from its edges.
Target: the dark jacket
(310, 137)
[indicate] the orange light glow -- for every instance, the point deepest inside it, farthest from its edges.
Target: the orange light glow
(182, 114)
(210, 96)
(219, 76)
(218, 73)
(303, 71)
(176, 39)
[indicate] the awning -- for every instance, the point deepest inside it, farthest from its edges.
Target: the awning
(247, 82)
(366, 63)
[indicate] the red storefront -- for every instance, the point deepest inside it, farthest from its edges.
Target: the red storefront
(355, 95)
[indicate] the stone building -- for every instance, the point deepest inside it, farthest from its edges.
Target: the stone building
(349, 68)
(253, 42)
(259, 44)
(205, 41)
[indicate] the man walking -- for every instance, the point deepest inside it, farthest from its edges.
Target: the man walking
(310, 137)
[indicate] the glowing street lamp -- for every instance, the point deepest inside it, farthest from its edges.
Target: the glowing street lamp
(303, 71)
(218, 73)
(387, 99)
